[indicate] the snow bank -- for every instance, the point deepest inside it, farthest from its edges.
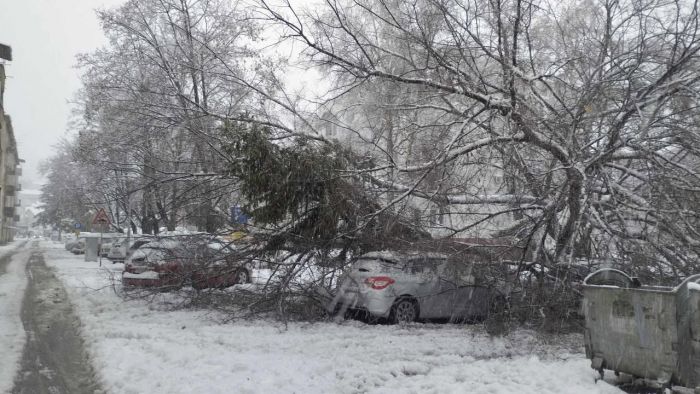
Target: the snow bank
(12, 336)
(141, 348)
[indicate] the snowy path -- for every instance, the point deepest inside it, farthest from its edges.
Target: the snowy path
(13, 281)
(54, 360)
(143, 348)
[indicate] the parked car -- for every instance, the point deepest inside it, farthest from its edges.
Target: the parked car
(405, 288)
(70, 244)
(219, 266)
(173, 262)
(105, 247)
(78, 247)
(119, 252)
(155, 264)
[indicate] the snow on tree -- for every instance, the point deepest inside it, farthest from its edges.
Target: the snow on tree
(586, 111)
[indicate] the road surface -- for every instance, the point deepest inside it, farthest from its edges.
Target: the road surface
(54, 360)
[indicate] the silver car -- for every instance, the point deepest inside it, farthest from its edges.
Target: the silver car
(119, 252)
(408, 287)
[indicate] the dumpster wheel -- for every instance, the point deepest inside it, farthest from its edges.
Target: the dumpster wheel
(598, 363)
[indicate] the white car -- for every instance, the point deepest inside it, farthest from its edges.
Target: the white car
(408, 287)
(78, 247)
(118, 252)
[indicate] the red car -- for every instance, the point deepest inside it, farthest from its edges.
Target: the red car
(172, 263)
(219, 267)
(155, 264)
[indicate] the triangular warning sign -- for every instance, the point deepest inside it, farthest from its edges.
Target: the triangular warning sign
(101, 217)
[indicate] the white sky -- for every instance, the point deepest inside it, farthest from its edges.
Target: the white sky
(45, 36)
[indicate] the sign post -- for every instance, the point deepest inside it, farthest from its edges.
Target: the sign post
(100, 219)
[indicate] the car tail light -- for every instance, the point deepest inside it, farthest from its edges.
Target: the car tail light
(379, 282)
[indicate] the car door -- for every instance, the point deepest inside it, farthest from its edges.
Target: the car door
(447, 296)
(435, 294)
(470, 300)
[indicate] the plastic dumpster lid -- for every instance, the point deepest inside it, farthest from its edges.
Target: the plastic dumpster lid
(611, 277)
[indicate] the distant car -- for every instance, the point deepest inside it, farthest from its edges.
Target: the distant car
(70, 244)
(105, 247)
(118, 253)
(173, 262)
(78, 247)
(405, 288)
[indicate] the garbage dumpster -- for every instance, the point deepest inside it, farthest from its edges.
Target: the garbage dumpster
(649, 332)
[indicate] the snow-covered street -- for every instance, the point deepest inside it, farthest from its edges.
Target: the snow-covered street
(139, 347)
(13, 281)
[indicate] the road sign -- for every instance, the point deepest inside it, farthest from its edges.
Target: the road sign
(237, 215)
(77, 226)
(101, 217)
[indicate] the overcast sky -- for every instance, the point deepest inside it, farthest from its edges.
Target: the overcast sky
(45, 36)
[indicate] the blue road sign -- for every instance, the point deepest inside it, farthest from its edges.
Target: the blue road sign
(77, 226)
(237, 215)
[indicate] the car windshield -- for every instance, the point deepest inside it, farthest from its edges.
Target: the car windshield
(138, 244)
(150, 253)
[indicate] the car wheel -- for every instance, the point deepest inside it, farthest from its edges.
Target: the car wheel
(405, 310)
(241, 276)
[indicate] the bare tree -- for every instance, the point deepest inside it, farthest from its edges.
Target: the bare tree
(153, 100)
(572, 112)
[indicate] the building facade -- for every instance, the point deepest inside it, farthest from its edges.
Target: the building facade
(9, 162)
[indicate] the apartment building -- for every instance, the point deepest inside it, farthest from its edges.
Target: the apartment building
(9, 162)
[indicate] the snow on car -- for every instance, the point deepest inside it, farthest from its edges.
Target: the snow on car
(405, 288)
(155, 264)
(172, 262)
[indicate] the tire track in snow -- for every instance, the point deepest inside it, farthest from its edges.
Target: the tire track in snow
(54, 359)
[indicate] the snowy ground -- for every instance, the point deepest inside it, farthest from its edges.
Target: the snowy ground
(13, 281)
(139, 348)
